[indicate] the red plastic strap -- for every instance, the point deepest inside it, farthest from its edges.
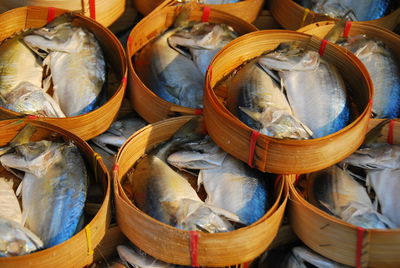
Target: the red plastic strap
(124, 80)
(51, 14)
(322, 47)
(253, 141)
(390, 133)
(194, 247)
(347, 28)
(246, 265)
(115, 167)
(130, 43)
(32, 117)
(206, 14)
(360, 237)
(92, 9)
(198, 111)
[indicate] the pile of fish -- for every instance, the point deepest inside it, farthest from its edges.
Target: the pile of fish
(290, 93)
(337, 191)
(179, 59)
(108, 143)
(235, 192)
(54, 71)
(53, 192)
(360, 10)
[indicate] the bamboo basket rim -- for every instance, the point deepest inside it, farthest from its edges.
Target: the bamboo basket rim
(79, 142)
(99, 26)
(118, 190)
(209, 90)
(295, 196)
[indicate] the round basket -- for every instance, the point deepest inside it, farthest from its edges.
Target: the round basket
(104, 11)
(341, 241)
(247, 9)
(293, 16)
(283, 156)
(173, 245)
(150, 106)
(95, 122)
(81, 249)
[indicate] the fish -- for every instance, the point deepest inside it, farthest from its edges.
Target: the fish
(384, 70)
(167, 196)
(302, 257)
(16, 240)
(54, 187)
(76, 63)
(263, 106)
(386, 184)
(18, 64)
(363, 10)
(118, 133)
(26, 98)
(315, 89)
(10, 208)
(170, 75)
(138, 258)
(202, 41)
(229, 183)
(336, 192)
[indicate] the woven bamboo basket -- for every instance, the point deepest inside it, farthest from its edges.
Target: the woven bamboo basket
(149, 106)
(321, 29)
(341, 241)
(96, 122)
(293, 16)
(81, 249)
(247, 9)
(103, 11)
(172, 245)
(283, 156)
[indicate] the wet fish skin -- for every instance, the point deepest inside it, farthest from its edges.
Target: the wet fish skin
(16, 240)
(263, 106)
(10, 208)
(335, 192)
(203, 41)
(76, 63)
(26, 98)
(316, 92)
(172, 76)
(385, 74)
(18, 64)
(363, 10)
(304, 255)
(53, 188)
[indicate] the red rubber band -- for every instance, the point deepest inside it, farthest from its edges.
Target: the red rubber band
(194, 247)
(51, 14)
(92, 9)
(198, 111)
(130, 43)
(246, 265)
(360, 237)
(322, 47)
(32, 117)
(115, 167)
(347, 28)
(124, 80)
(253, 141)
(206, 14)
(390, 132)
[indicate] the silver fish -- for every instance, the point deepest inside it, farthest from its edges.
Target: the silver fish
(18, 64)
(361, 10)
(300, 256)
(26, 98)
(203, 40)
(167, 196)
(138, 258)
(263, 106)
(118, 133)
(385, 74)
(231, 185)
(76, 62)
(53, 187)
(336, 192)
(16, 240)
(315, 89)
(172, 76)
(10, 208)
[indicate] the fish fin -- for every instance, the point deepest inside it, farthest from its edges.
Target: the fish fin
(103, 146)
(271, 73)
(374, 133)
